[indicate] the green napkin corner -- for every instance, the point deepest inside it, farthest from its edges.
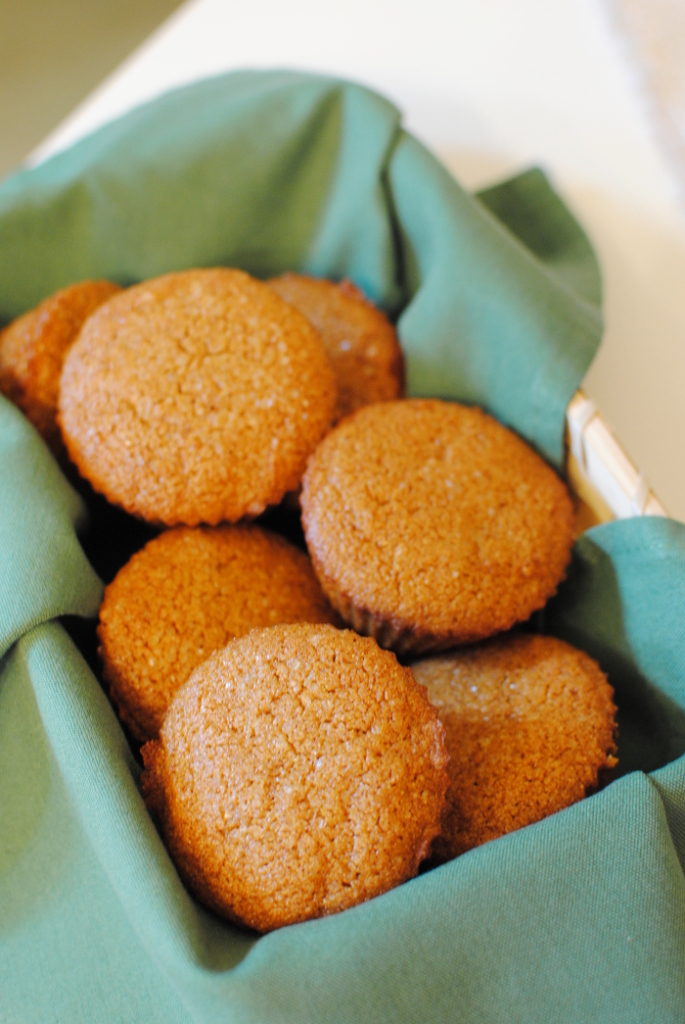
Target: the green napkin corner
(578, 918)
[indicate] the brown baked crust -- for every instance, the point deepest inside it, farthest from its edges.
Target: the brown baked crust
(33, 347)
(300, 771)
(530, 728)
(430, 524)
(196, 397)
(358, 337)
(187, 594)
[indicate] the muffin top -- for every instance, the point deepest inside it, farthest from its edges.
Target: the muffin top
(300, 771)
(435, 519)
(33, 347)
(195, 397)
(530, 726)
(359, 339)
(186, 594)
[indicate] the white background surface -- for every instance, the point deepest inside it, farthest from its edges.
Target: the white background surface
(491, 86)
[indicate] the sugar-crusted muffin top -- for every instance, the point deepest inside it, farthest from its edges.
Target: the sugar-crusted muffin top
(195, 397)
(359, 339)
(299, 771)
(434, 518)
(530, 726)
(186, 594)
(33, 347)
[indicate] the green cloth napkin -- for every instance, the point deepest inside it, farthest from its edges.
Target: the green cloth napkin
(578, 918)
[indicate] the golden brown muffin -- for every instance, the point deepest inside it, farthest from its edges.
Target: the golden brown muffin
(300, 771)
(530, 726)
(185, 595)
(359, 339)
(33, 347)
(429, 524)
(195, 397)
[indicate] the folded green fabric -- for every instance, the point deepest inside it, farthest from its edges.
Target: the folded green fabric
(578, 918)
(274, 172)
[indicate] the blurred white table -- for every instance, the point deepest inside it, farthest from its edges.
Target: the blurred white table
(491, 87)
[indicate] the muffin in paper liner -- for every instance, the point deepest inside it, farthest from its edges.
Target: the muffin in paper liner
(431, 525)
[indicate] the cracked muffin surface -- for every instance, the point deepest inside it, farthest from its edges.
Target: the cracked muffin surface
(300, 771)
(185, 595)
(359, 339)
(530, 729)
(195, 398)
(33, 348)
(430, 524)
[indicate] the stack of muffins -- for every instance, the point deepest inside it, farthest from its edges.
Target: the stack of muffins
(296, 767)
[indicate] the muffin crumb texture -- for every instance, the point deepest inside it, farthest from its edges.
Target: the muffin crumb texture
(185, 595)
(359, 339)
(430, 524)
(33, 348)
(300, 771)
(530, 729)
(196, 397)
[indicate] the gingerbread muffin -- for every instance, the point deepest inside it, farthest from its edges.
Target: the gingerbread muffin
(530, 729)
(185, 595)
(32, 351)
(300, 771)
(359, 339)
(195, 398)
(430, 524)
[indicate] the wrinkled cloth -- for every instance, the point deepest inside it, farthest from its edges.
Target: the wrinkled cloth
(497, 298)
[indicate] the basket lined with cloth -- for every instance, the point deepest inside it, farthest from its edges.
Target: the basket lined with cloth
(498, 303)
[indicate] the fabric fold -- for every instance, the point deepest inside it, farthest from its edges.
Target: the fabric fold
(284, 171)
(598, 883)
(43, 570)
(624, 603)
(466, 275)
(580, 917)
